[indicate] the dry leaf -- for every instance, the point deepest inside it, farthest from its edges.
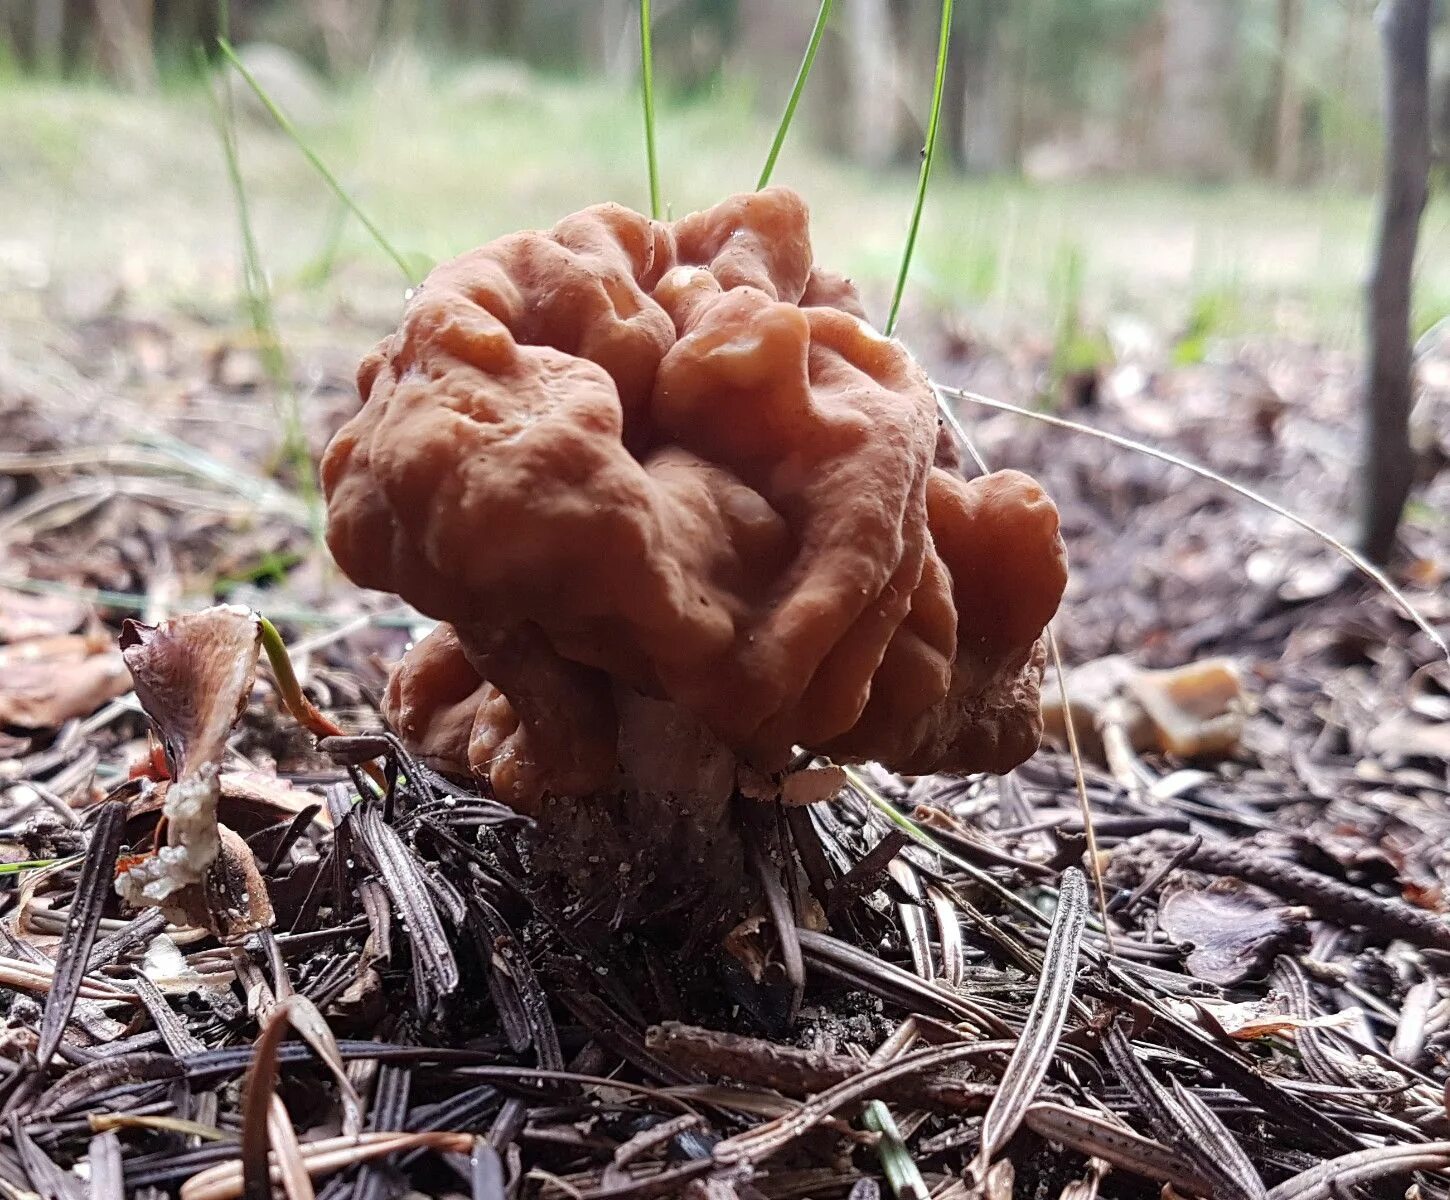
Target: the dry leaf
(1235, 930)
(23, 616)
(48, 681)
(250, 802)
(1248, 1020)
(193, 675)
(231, 900)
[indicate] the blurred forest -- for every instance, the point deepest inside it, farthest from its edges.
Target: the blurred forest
(1206, 90)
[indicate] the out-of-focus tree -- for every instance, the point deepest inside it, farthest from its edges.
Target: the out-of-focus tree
(1281, 123)
(124, 42)
(1389, 459)
(350, 31)
(1194, 128)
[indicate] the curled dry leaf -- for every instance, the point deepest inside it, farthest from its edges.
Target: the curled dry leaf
(250, 802)
(1235, 930)
(47, 681)
(193, 675)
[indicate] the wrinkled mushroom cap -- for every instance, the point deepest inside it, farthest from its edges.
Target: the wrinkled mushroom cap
(674, 460)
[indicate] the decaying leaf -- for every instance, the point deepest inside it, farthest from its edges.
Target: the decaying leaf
(1235, 930)
(1246, 1021)
(231, 899)
(249, 802)
(193, 675)
(23, 616)
(47, 681)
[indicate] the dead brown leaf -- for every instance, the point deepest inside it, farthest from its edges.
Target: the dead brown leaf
(47, 681)
(1235, 930)
(193, 675)
(24, 617)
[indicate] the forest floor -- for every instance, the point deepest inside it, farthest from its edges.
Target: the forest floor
(1275, 995)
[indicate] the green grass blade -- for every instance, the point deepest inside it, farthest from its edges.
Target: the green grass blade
(285, 124)
(30, 864)
(897, 1164)
(822, 17)
(647, 76)
(258, 294)
(928, 155)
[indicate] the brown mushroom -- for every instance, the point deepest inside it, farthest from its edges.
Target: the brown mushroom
(666, 476)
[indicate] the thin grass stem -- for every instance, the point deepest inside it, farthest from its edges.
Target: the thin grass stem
(285, 124)
(928, 156)
(823, 16)
(1073, 747)
(897, 1165)
(1353, 557)
(303, 711)
(258, 295)
(647, 78)
(30, 864)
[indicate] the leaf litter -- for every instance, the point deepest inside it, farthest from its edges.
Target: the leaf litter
(936, 1008)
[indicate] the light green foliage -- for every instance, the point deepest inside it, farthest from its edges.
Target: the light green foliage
(1211, 313)
(1078, 345)
(441, 172)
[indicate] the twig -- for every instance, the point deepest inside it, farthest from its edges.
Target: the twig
(797, 1072)
(1385, 917)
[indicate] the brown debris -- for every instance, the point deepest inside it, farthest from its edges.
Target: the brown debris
(1234, 931)
(1193, 711)
(47, 681)
(194, 674)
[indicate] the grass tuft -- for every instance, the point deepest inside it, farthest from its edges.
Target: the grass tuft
(257, 293)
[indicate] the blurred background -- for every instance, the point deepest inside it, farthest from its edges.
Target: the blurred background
(1156, 216)
(1195, 162)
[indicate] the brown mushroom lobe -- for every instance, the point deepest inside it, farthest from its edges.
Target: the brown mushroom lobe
(626, 460)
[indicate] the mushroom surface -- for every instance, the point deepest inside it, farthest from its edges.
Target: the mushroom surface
(675, 503)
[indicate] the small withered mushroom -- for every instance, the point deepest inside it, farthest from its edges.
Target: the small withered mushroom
(675, 502)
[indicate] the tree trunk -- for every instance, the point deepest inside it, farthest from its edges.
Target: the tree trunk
(1389, 460)
(48, 26)
(1199, 46)
(858, 87)
(1283, 132)
(1289, 125)
(123, 34)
